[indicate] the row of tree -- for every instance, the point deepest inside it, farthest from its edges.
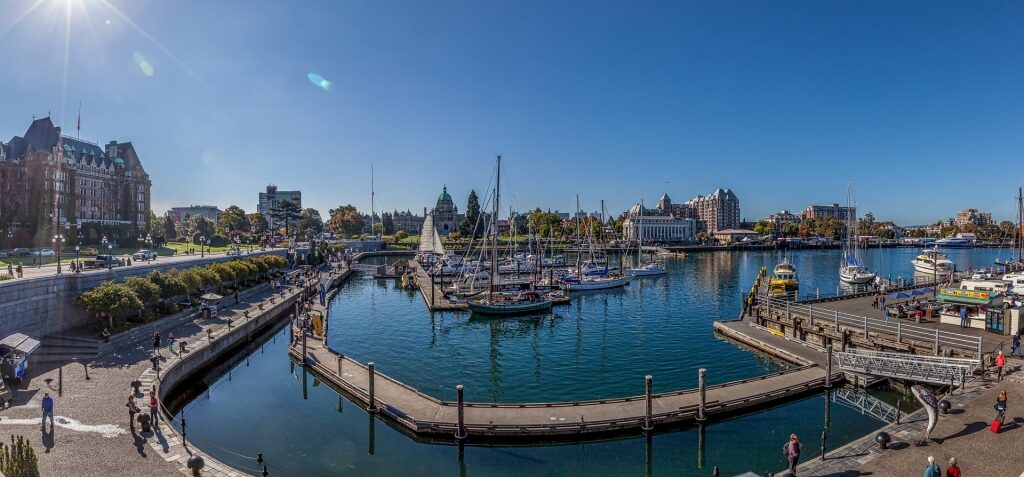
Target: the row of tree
(235, 223)
(136, 294)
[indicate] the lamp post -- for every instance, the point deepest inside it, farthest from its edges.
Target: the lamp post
(149, 244)
(10, 238)
(58, 240)
(202, 250)
(110, 251)
(78, 251)
(252, 236)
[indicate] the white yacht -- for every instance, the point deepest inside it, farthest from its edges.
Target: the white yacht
(596, 283)
(932, 261)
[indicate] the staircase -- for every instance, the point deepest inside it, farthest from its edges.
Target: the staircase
(926, 369)
(62, 349)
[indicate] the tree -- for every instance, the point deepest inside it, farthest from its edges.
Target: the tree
(170, 284)
(387, 223)
(310, 222)
(158, 228)
(401, 235)
(19, 459)
(145, 290)
(170, 230)
(198, 225)
(233, 219)
(762, 227)
(257, 224)
(286, 212)
(111, 299)
(345, 221)
(789, 229)
(468, 225)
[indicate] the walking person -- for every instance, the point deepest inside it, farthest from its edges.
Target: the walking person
(153, 406)
(156, 342)
(10, 269)
(1000, 362)
(963, 317)
(47, 411)
(132, 411)
(952, 470)
(1015, 346)
(21, 271)
(1000, 407)
(792, 452)
(933, 469)
(170, 343)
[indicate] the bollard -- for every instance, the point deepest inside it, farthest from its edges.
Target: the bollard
(209, 334)
(824, 439)
(372, 405)
(828, 367)
(460, 432)
(648, 385)
(181, 347)
(60, 380)
(702, 394)
(339, 366)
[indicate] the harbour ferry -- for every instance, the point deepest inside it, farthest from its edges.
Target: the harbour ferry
(932, 261)
(961, 240)
(785, 281)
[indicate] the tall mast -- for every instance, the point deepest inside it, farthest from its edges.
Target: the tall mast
(640, 236)
(1020, 219)
(373, 233)
(494, 237)
(579, 245)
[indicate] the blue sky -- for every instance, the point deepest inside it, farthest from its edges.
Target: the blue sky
(919, 104)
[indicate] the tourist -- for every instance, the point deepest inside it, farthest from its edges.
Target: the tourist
(874, 301)
(170, 342)
(963, 317)
(132, 411)
(47, 411)
(1000, 362)
(933, 469)
(10, 269)
(105, 334)
(1015, 346)
(156, 342)
(153, 406)
(792, 452)
(1001, 402)
(21, 272)
(952, 470)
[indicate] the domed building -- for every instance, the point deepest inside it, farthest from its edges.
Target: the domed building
(445, 213)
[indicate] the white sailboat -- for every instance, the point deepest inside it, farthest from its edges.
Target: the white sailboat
(851, 270)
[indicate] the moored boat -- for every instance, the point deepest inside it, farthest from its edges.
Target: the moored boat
(784, 281)
(932, 261)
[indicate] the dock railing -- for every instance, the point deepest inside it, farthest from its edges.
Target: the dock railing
(893, 327)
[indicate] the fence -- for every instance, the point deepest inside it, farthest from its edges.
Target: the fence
(940, 339)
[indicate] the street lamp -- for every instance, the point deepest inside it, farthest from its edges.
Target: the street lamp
(110, 251)
(149, 244)
(58, 240)
(10, 238)
(202, 249)
(252, 236)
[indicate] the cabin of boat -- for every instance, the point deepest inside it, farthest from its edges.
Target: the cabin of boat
(784, 279)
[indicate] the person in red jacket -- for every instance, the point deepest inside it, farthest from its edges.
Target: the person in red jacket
(1000, 362)
(952, 470)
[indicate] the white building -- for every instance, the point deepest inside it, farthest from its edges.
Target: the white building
(657, 227)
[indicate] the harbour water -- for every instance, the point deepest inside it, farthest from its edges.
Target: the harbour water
(599, 346)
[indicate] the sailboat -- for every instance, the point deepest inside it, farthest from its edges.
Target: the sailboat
(500, 303)
(1018, 240)
(650, 269)
(850, 269)
(590, 275)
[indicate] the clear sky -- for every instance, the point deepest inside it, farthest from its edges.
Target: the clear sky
(919, 104)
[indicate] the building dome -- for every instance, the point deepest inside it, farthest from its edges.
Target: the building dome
(444, 200)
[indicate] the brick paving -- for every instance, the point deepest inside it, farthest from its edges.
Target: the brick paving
(92, 436)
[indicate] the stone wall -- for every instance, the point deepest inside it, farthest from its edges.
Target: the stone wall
(43, 306)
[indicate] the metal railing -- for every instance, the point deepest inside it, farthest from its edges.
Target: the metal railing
(929, 369)
(866, 404)
(865, 326)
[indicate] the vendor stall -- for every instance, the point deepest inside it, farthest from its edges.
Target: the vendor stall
(984, 308)
(14, 352)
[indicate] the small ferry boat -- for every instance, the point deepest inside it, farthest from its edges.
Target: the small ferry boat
(961, 240)
(932, 261)
(784, 281)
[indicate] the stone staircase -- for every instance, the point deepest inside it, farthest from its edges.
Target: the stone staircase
(62, 349)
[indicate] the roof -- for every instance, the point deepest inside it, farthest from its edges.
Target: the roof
(444, 198)
(736, 232)
(969, 297)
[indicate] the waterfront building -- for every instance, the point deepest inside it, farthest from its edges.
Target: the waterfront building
(180, 214)
(657, 226)
(973, 217)
(718, 211)
(781, 218)
(55, 184)
(734, 235)
(408, 222)
(268, 202)
(445, 213)
(841, 213)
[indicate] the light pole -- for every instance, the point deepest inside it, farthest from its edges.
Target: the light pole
(10, 238)
(252, 236)
(149, 245)
(58, 240)
(110, 251)
(202, 249)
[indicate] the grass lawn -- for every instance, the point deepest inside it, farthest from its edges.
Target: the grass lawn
(68, 254)
(181, 247)
(410, 239)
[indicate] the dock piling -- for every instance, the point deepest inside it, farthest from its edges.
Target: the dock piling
(648, 386)
(824, 440)
(371, 407)
(702, 394)
(460, 433)
(828, 367)
(339, 365)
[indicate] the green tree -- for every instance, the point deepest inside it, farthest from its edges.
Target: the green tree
(170, 229)
(762, 227)
(111, 299)
(19, 459)
(158, 228)
(197, 226)
(345, 221)
(233, 219)
(310, 222)
(468, 225)
(401, 235)
(170, 284)
(257, 224)
(145, 290)
(789, 229)
(286, 212)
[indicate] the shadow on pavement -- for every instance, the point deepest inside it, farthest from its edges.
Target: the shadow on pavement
(968, 429)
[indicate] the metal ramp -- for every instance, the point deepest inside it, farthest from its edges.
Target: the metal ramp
(865, 404)
(364, 267)
(926, 369)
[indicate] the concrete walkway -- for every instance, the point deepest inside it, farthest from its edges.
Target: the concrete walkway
(92, 435)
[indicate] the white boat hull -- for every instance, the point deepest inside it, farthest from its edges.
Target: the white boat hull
(597, 283)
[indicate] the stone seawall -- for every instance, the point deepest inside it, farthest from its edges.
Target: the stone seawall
(42, 306)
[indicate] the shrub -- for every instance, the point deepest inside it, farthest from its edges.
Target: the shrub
(19, 459)
(145, 290)
(5, 276)
(171, 284)
(401, 235)
(224, 272)
(218, 241)
(260, 265)
(190, 278)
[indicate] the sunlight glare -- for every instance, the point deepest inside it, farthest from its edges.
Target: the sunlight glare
(319, 81)
(144, 65)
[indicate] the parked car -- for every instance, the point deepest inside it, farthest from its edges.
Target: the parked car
(103, 261)
(234, 252)
(89, 251)
(21, 252)
(44, 252)
(144, 254)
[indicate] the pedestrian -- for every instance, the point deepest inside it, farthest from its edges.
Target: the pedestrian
(1000, 362)
(1000, 407)
(874, 301)
(153, 406)
(47, 411)
(881, 301)
(963, 317)
(21, 271)
(952, 470)
(132, 411)
(156, 342)
(792, 452)
(933, 469)
(10, 269)
(1015, 346)
(170, 342)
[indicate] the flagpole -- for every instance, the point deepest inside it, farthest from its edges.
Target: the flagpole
(78, 127)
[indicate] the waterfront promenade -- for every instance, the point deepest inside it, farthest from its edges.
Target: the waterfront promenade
(92, 435)
(48, 270)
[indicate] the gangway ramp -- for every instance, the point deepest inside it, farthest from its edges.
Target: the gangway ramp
(865, 404)
(926, 369)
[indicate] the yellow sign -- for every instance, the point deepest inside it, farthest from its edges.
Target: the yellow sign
(975, 294)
